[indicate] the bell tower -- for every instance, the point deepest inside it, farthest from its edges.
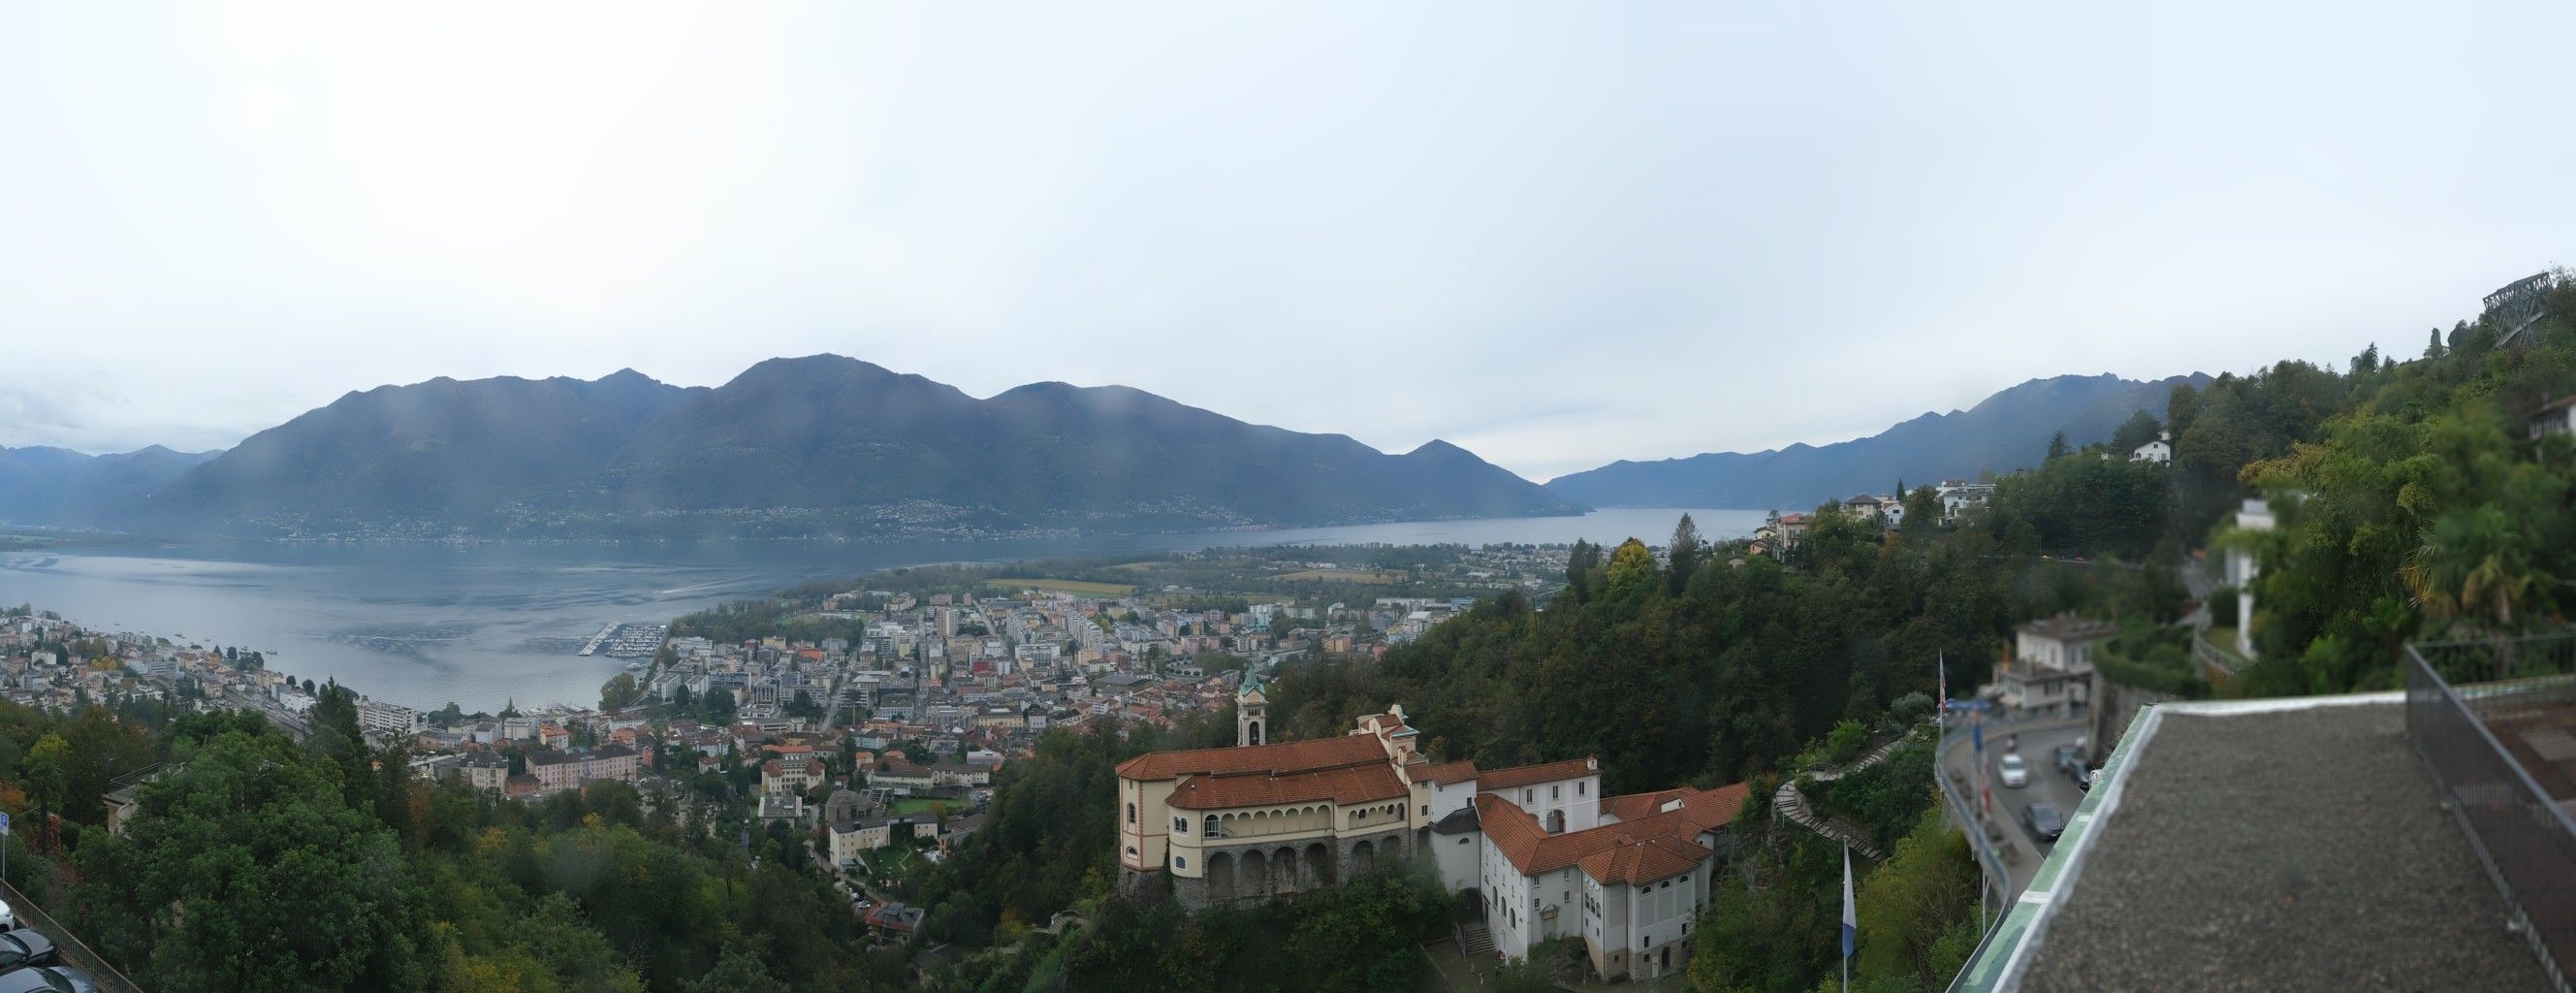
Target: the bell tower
(1251, 712)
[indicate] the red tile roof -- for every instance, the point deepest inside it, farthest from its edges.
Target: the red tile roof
(1348, 785)
(1641, 862)
(1518, 835)
(1446, 773)
(1503, 779)
(1638, 806)
(1279, 758)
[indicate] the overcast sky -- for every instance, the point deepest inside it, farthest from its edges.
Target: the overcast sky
(1556, 234)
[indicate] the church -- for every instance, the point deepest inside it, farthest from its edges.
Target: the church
(1548, 855)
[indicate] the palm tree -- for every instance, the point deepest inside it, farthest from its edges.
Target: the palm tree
(2471, 564)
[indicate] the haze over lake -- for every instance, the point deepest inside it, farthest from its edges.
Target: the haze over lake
(483, 624)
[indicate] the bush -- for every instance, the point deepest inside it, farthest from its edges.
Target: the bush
(2222, 606)
(1910, 708)
(1846, 742)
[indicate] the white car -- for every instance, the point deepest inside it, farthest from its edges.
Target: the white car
(2016, 773)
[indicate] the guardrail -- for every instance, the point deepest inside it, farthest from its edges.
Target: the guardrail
(2521, 834)
(2216, 664)
(74, 953)
(1998, 881)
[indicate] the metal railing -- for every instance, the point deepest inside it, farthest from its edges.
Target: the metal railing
(74, 953)
(1996, 888)
(2458, 695)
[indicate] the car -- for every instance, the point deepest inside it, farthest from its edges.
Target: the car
(46, 979)
(2016, 773)
(25, 946)
(2070, 760)
(8, 917)
(2044, 821)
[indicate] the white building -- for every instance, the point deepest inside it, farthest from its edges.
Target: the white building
(2052, 664)
(377, 717)
(2242, 568)
(1630, 887)
(1959, 497)
(1551, 856)
(2159, 450)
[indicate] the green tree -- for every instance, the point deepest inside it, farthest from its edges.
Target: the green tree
(1685, 553)
(619, 692)
(46, 771)
(245, 870)
(2139, 429)
(739, 971)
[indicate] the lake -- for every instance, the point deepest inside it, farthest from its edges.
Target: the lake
(483, 624)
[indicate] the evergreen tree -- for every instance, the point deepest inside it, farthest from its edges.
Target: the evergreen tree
(2057, 445)
(1686, 552)
(1578, 569)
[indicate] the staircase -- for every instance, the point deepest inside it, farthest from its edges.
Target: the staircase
(1474, 939)
(1792, 805)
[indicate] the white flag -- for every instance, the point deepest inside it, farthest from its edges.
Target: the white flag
(1851, 920)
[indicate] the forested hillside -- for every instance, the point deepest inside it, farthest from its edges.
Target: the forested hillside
(260, 864)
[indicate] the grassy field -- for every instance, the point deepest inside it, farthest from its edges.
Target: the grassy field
(1343, 576)
(914, 805)
(1080, 586)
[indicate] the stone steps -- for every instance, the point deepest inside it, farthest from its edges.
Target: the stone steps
(1791, 805)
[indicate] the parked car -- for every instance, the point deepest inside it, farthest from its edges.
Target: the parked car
(2070, 760)
(2044, 821)
(2016, 773)
(8, 917)
(25, 946)
(46, 979)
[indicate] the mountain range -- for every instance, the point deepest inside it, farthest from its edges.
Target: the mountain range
(820, 446)
(827, 446)
(67, 489)
(2007, 431)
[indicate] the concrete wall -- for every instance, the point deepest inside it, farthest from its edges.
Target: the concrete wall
(1459, 857)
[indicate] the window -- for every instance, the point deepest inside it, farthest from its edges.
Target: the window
(1529, 796)
(1180, 863)
(1579, 785)
(1462, 841)
(1556, 793)
(1131, 813)
(1180, 825)
(1211, 826)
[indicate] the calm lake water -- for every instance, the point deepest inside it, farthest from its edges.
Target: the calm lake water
(480, 625)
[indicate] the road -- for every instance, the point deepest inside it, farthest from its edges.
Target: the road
(2038, 742)
(832, 707)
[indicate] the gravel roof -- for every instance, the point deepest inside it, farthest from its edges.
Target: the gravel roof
(2296, 850)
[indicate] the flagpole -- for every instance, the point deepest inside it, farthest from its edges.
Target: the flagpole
(1851, 921)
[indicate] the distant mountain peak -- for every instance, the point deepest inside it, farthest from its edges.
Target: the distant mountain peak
(810, 445)
(2007, 430)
